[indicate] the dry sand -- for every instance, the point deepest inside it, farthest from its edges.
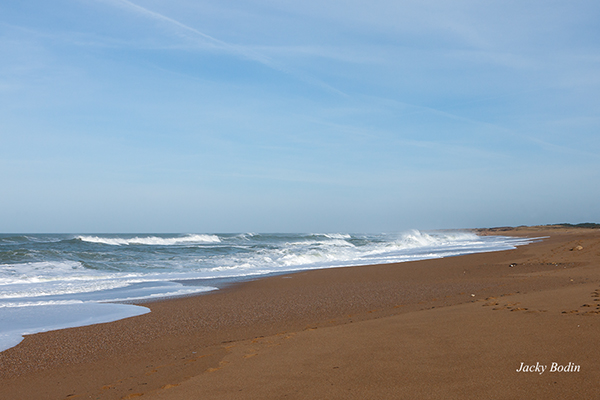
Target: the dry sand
(450, 328)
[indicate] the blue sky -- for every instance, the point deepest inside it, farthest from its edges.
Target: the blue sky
(286, 116)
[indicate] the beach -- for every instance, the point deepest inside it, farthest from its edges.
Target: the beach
(520, 323)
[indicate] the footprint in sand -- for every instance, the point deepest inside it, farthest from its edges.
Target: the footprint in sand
(512, 307)
(490, 304)
(592, 312)
(596, 297)
(507, 306)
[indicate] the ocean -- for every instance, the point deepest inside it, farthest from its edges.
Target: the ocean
(56, 281)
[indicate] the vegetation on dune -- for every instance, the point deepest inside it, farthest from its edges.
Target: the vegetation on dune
(592, 225)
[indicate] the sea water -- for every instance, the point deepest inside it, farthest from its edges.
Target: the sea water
(58, 281)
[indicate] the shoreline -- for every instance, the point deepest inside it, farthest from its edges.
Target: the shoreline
(184, 339)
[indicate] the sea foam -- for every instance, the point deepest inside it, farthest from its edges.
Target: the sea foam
(57, 281)
(151, 240)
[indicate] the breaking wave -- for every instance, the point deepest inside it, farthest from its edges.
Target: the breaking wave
(151, 240)
(54, 281)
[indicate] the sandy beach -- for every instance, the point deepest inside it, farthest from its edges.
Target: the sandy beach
(522, 323)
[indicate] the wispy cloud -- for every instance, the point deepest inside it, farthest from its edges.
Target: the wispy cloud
(243, 51)
(182, 28)
(487, 129)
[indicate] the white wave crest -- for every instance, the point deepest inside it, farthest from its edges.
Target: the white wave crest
(152, 240)
(334, 235)
(415, 239)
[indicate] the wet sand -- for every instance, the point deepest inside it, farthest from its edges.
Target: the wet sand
(449, 328)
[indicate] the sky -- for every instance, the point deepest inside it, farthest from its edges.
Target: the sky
(284, 116)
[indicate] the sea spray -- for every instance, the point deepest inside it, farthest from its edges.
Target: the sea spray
(58, 281)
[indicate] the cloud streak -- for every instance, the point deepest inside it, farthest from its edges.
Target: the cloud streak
(242, 51)
(213, 42)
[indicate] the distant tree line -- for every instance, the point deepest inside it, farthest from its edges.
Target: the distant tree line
(592, 225)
